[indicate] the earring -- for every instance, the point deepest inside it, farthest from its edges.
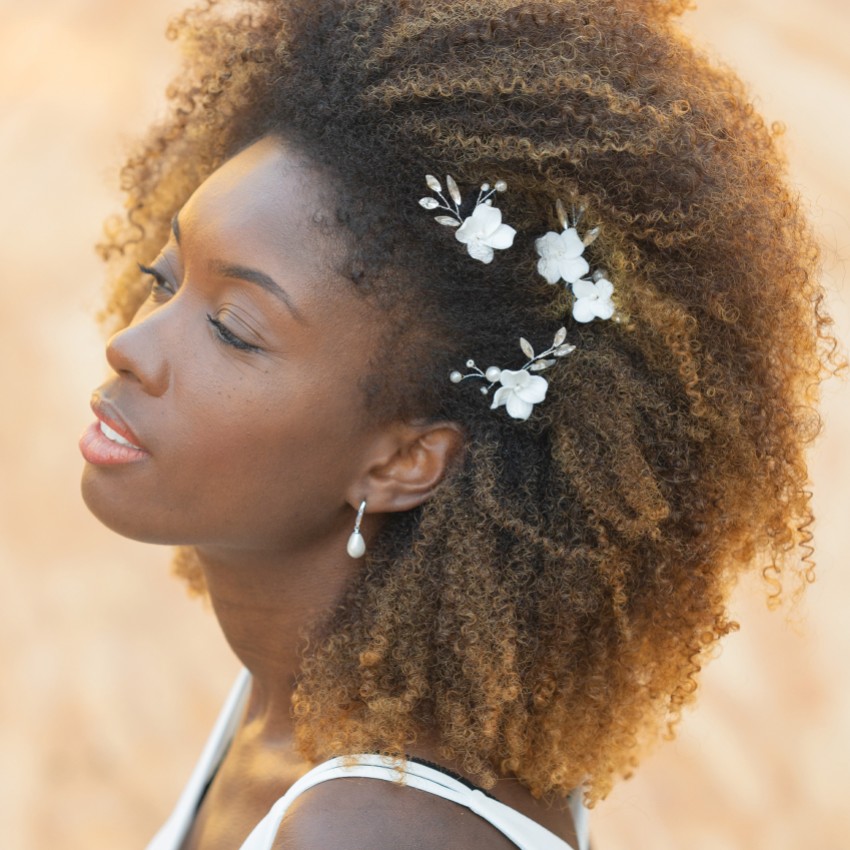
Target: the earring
(356, 544)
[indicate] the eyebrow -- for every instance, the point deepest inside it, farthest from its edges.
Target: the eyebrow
(237, 272)
(261, 279)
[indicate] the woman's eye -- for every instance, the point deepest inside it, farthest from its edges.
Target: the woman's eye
(228, 337)
(160, 287)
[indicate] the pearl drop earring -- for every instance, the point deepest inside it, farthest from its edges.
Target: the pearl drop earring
(356, 544)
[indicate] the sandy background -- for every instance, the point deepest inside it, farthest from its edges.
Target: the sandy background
(111, 678)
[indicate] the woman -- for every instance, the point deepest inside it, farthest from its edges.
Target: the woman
(470, 491)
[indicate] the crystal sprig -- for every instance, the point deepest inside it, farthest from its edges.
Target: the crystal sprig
(572, 220)
(452, 204)
(535, 363)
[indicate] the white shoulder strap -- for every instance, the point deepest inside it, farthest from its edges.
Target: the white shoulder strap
(173, 832)
(521, 830)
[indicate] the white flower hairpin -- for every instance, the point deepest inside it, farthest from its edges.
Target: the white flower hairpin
(482, 231)
(520, 389)
(561, 258)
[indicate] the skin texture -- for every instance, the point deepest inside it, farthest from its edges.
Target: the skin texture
(235, 462)
(544, 612)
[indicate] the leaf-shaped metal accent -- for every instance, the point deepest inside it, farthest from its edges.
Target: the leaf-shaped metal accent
(453, 189)
(433, 183)
(564, 350)
(590, 236)
(429, 203)
(446, 220)
(540, 365)
(527, 350)
(562, 214)
(560, 337)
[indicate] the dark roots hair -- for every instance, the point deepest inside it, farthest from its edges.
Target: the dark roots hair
(548, 610)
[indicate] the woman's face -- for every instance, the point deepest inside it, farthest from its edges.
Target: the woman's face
(239, 376)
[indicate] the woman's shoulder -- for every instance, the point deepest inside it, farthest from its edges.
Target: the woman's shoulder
(358, 812)
(420, 804)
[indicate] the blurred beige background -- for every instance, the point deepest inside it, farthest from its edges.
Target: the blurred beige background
(111, 677)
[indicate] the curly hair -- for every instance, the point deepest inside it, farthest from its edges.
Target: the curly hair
(548, 610)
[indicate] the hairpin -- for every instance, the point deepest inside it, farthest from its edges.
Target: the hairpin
(561, 258)
(482, 230)
(520, 390)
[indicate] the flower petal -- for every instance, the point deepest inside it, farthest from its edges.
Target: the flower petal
(533, 390)
(479, 251)
(511, 378)
(517, 408)
(571, 243)
(467, 231)
(604, 309)
(548, 244)
(573, 268)
(500, 397)
(549, 268)
(604, 287)
(583, 310)
(486, 219)
(584, 289)
(502, 238)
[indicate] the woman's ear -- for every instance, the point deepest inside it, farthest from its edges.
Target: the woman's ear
(409, 460)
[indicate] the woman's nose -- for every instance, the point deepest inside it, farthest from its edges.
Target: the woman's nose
(138, 353)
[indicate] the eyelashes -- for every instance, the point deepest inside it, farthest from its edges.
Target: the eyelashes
(159, 284)
(161, 288)
(228, 337)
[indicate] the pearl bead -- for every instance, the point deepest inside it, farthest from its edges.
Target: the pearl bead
(356, 546)
(501, 186)
(470, 364)
(493, 374)
(455, 377)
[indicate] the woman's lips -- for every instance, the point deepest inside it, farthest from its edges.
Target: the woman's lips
(99, 449)
(109, 441)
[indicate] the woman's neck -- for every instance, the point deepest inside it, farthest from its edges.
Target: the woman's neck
(265, 604)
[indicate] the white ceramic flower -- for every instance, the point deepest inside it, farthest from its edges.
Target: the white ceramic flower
(519, 392)
(561, 256)
(483, 231)
(593, 300)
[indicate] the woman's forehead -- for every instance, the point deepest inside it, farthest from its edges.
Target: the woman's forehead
(265, 190)
(259, 210)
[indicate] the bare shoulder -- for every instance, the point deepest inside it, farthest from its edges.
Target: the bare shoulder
(353, 813)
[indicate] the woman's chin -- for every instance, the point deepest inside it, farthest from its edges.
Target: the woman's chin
(120, 512)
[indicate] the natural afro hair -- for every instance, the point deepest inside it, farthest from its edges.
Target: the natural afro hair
(547, 611)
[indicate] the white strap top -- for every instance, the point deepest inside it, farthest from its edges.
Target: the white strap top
(521, 830)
